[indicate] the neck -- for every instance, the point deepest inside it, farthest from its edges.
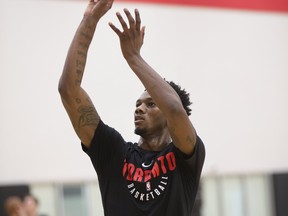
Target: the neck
(154, 143)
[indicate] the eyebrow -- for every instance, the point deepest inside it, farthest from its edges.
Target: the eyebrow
(146, 99)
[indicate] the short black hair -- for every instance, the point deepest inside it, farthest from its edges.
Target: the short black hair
(184, 96)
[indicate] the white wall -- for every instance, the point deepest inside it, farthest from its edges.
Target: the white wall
(234, 64)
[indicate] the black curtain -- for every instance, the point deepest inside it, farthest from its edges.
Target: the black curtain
(280, 184)
(11, 190)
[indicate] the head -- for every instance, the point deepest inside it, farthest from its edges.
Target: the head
(149, 118)
(14, 206)
(30, 204)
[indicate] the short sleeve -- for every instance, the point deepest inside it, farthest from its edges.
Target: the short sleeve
(194, 162)
(107, 148)
(198, 156)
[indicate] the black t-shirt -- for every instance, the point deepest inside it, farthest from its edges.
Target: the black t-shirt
(136, 182)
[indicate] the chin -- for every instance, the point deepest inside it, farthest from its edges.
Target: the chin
(140, 131)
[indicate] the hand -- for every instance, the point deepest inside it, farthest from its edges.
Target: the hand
(98, 8)
(132, 37)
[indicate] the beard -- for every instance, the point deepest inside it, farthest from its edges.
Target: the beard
(140, 131)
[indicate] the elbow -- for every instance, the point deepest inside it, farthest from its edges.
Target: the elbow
(177, 109)
(173, 106)
(64, 88)
(68, 90)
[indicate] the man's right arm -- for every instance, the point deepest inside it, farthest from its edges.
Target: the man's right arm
(76, 101)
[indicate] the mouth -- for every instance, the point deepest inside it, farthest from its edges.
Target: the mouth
(138, 118)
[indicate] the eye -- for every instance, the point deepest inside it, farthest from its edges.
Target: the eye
(151, 104)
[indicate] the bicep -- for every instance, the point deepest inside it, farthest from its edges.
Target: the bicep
(182, 133)
(82, 114)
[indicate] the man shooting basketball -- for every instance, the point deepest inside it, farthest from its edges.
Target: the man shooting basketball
(157, 176)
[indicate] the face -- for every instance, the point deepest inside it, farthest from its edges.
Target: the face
(148, 118)
(14, 207)
(30, 204)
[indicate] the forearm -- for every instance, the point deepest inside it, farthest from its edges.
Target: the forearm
(77, 55)
(162, 93)
(76, 101)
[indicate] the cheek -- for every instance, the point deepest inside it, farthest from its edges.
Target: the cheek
(164, 122)
(156, 116)
(159, 119)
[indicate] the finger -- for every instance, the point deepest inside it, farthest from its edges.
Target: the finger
(130, 18)
(122, 21)
(138, 20)
(143, 33)
(115, 29)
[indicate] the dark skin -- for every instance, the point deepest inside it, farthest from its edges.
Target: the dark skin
(151, 124)
(162, 122)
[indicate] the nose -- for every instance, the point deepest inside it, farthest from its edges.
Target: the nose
(140, 109)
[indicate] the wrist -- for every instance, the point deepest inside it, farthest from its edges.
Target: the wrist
(91, 19)
(135, 62)
(89, 24)
(133, 58)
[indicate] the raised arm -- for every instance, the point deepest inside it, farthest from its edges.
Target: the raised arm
(76, 101)
(131, 39)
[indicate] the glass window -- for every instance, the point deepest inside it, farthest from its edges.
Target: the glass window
(74, 200)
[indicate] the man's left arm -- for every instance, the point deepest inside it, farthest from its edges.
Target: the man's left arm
(131, 38)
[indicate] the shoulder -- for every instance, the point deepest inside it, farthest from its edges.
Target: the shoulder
(105, 132)
(196, 159)
(105, 137)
